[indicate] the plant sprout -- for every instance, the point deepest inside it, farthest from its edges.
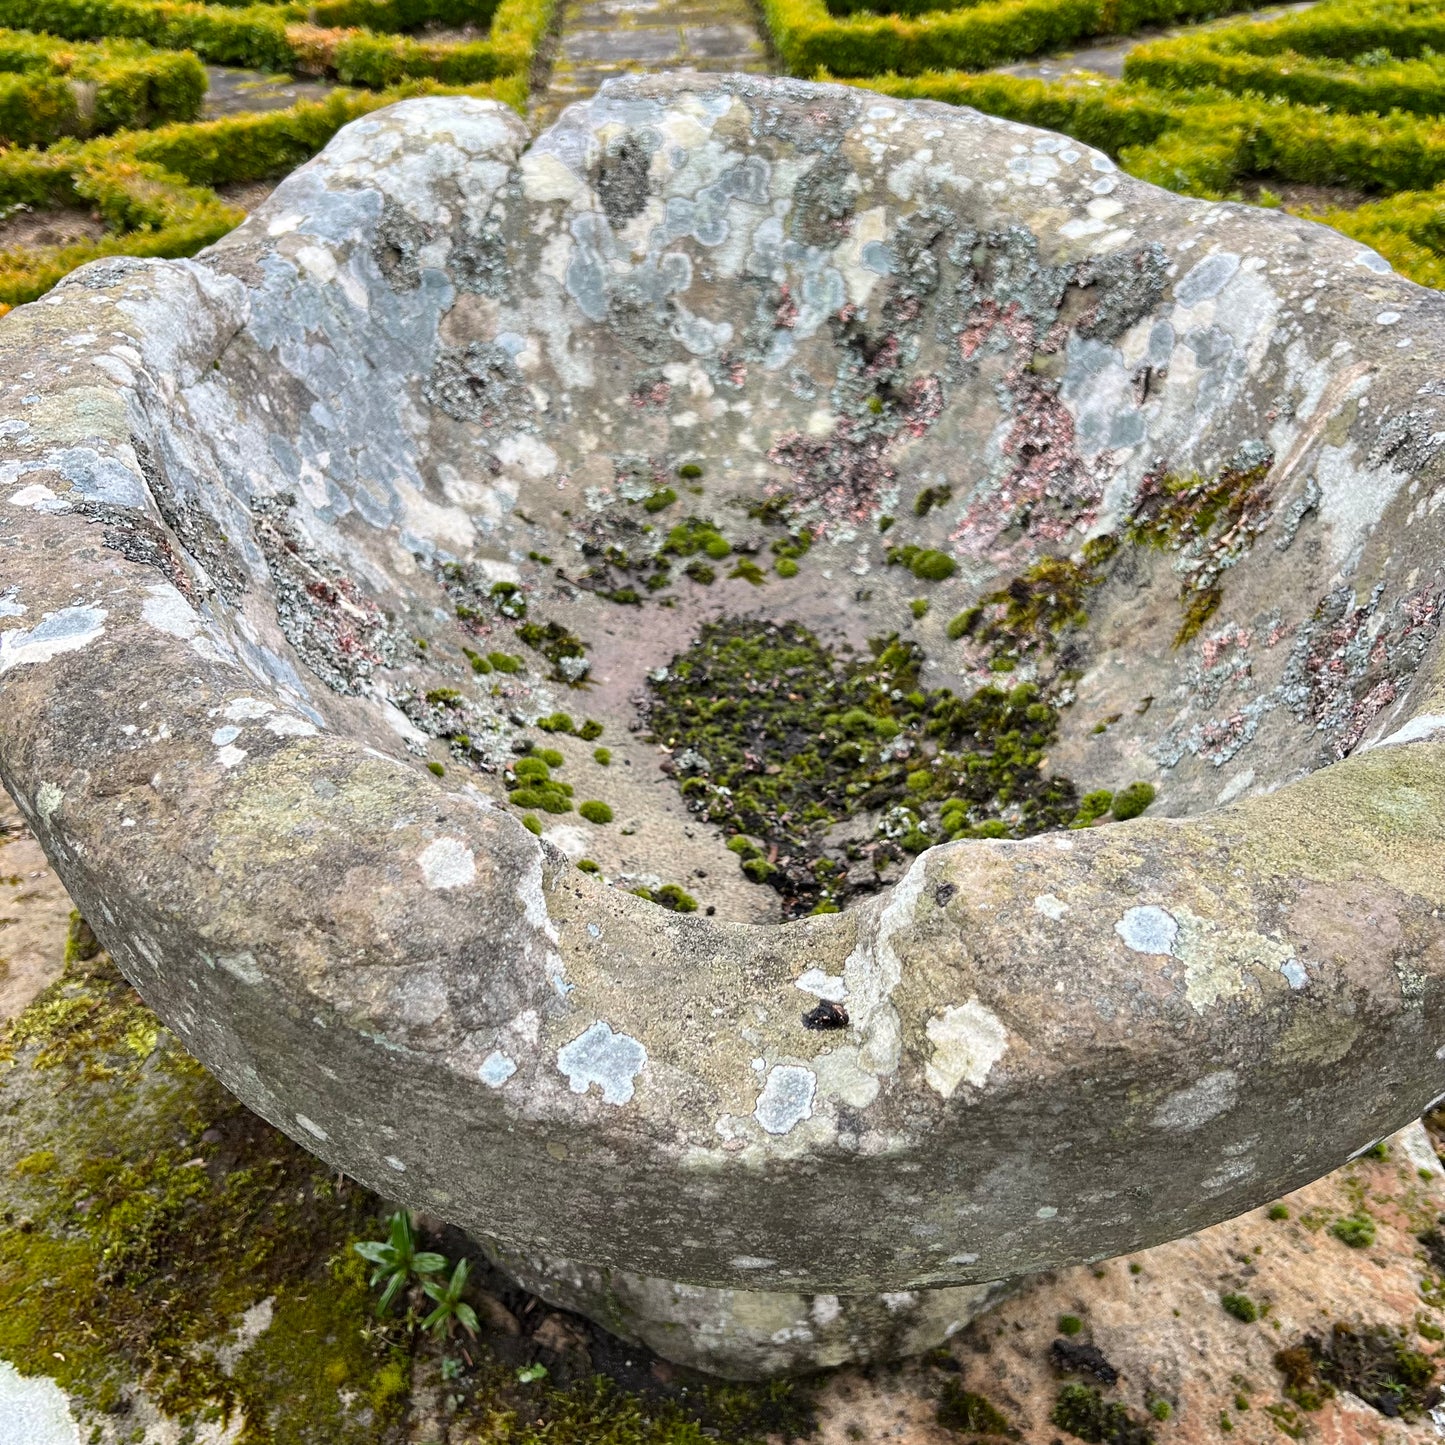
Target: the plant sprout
(397, 1259)
(450, 1306)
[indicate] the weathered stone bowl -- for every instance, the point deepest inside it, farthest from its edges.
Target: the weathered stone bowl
(458, 433)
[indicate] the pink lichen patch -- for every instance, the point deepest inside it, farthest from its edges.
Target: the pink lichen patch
(1048, 491)
(844, 473)
(651, 396)
(1218, 644)
(1354, 660)
(785, 315)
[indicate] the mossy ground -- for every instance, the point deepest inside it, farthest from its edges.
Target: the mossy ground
(144, 1211)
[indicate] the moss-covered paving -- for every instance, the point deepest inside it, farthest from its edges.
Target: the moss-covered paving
(162, 1248)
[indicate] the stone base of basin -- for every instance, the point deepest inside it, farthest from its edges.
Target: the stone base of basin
(745, 1334)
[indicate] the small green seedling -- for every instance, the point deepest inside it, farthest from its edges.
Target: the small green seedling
(396, 1259)
(451, 1309)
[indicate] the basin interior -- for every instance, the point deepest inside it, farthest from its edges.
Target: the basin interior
(857, 515)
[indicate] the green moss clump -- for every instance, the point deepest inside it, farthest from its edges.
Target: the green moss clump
(919, 607)
(506, 662)
(443, 696)
(749, 690)
(692, 536)
(1070, 1325)
(551, 756)
(1278, 1211)
(689, 471)
(1240, 1306)
(1131, 801)
(602, 756)
(664, 497)
(926, 563)
(749, 571)
(1355, 1230)
(437, 770)
(556, 643)
(1092, 807)
(785, 567)
(1083, 1411)
(550, 799)
(595, 812)
(1210, 522)
(530, 784)
(508, 599)
(557, 722)
(532, 823)
(479, 663)
(970, 1413)
(586, 865)
(1026, 614)
(929, 498)
(590, 730)
(669, 896)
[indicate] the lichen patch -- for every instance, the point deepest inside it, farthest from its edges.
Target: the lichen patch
(968, 1040)
(786, 1099)
(448, 863)
(66, 630)
(598, 1056)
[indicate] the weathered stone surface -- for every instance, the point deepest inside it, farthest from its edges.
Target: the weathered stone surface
(259, 502)
(751, 1334)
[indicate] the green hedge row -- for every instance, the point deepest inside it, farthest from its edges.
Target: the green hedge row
(1411, 85)
(49, 89)
(389, 16)
(1408, 230)
(1344, 30)
(809, 38)
(255, 36)
(359, 57)
(1206, 142)
(1350, 55)
(271, 37)
(153, 188)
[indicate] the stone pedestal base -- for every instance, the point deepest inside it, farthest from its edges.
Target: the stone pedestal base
(749, 1334)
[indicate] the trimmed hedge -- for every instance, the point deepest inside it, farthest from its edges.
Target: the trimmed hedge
(1204, 143)
(1352, 56)
(809, 38)
(152, 188)
(255, 36)
(281, 38)
(1410, 85)
(49, 89)
(1408, 230)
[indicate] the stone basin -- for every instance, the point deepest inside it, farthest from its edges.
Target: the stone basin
(1007, 599)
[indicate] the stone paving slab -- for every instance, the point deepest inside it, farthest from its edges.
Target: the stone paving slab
(1107, 58)
(233, 91)
(600, 39)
